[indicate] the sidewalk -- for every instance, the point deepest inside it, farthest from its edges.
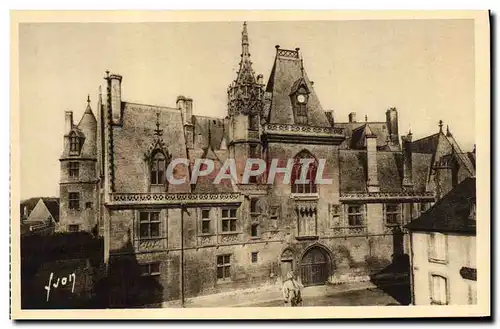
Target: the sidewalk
(263, 294)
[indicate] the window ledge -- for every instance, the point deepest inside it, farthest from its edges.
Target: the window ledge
(307, 237)
(255, 238)
(438, 261)
(206, 234)
(304, 196)
(229, 233)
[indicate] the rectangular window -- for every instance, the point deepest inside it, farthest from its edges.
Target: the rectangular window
(424, 206)
(224, 267)
(74, 228)
(229, 220)
(437, 247)
(355, 215)
(74, 144)
(255, 257)
(150, 269)
(149, 224)
(253, 206)
(392, 214)
(74, 169)
(439, 291)
(88, 205)
(74, 200)
(253, 122)
(205, 221)
(273, 216)
(255, 230)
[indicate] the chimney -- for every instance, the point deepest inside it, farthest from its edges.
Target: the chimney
(115, 91)
(68, 121)
(189, 110)
(352, 117)
(187, 116)
(371, 159)
(407, 162)
(392, 125)
(330, 117)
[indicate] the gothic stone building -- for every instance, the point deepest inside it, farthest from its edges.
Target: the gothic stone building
(166, 241)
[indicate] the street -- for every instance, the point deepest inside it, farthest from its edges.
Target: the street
(365, 297)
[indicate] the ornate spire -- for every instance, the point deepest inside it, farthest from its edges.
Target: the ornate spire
(245, 73)
(158, 132)
(245, 94)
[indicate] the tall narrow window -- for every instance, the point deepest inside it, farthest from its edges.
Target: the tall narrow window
(224, 267)
(74, 200)
(229, 220)
(273, 216)
(205, 221)
(439, 290)
(74, 144)
(310, 185)
(74, 169)
(355, 215)
(255, 230)
(149, 224)
(253, 123)
(437, 247)
(158, 169)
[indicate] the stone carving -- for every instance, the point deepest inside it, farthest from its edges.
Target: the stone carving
(229, 238)
(173, 197)
(206, 240)
(150, 244)
(289, 128)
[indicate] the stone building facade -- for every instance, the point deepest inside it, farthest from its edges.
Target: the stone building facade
(167, 241)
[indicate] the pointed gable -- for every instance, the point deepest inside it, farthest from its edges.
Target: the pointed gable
(288, 73)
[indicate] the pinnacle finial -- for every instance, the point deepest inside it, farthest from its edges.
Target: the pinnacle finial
(366, 118)
(440, 125)
(88, 98)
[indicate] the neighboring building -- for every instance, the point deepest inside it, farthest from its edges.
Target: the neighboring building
(234, 235)
(443, 249)
(78, 181)
(41, 217)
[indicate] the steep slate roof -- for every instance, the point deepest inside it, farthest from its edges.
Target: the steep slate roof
(451, 214)
(133, 139)
(287, 71)
(205, 184)
(53, 207)
(353, 134)
(353, 171)
(437, 143)
(218, 131)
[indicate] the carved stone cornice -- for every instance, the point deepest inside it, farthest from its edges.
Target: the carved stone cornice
(173, 200)
(388, 196)
(294, 133)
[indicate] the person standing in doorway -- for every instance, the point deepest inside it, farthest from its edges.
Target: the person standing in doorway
(292, 294)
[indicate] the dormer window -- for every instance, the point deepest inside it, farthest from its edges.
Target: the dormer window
(158, 169)
(74, 144)
(300, 97)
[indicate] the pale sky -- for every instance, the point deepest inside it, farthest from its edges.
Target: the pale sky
(425, 68)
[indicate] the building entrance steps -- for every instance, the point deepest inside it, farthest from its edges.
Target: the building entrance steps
(262, 294)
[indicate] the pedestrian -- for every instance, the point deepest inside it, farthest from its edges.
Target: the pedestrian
(292, 293)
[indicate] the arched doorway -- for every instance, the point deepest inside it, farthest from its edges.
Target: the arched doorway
(315, 267)
(287, 259)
